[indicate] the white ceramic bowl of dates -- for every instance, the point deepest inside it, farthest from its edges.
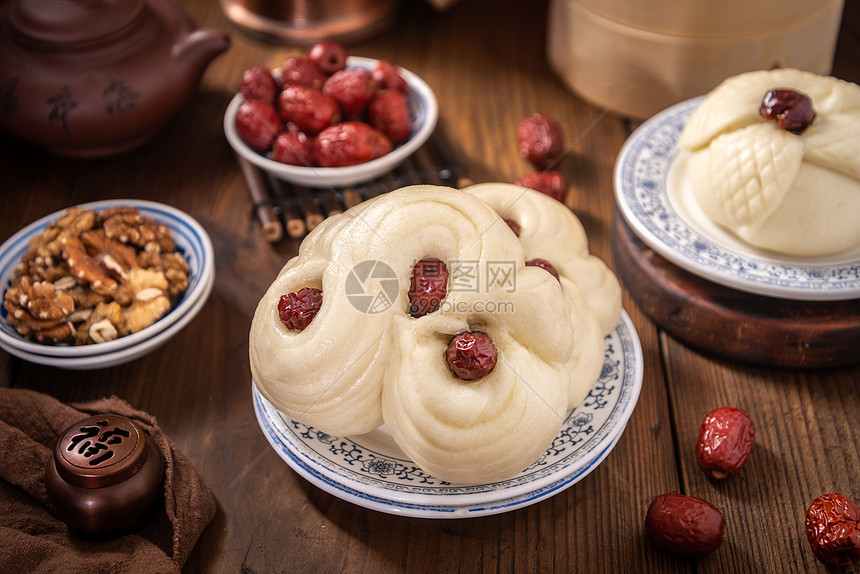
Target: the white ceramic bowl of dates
(312, 169)
(102, 283)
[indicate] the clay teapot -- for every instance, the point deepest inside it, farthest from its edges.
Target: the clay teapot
(91, 78)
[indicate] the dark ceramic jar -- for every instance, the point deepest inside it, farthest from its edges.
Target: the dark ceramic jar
(105, 476)
(92, 78)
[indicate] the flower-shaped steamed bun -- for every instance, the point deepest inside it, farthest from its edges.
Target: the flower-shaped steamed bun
(365, 360)
(550, 231)
(794, 193)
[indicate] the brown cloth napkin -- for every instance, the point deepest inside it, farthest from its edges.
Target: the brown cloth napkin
(32, 539)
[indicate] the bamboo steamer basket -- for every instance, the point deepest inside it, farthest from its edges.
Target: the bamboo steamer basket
(709, 17)
(637, 58)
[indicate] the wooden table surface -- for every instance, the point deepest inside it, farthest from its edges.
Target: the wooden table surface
(270, 520)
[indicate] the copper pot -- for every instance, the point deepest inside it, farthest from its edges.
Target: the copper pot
(304, 22)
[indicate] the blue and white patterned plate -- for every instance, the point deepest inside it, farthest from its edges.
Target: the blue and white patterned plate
(191, 241)
(655, 201)
(369, 470)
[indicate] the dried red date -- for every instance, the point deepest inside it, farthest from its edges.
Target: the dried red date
(471, 355)
(388, 112)
(550, 182)
(296, 310)
(833, 530)
(258, 84)
(792, 110)
(350, 143)
(294, 148)
(540, 140)
(367, 109)
(329, 56)
(543, 264)
(684, 524)
(725, 442)
(309, 109)
(428, 287)
(301, 71)
(257, 124)
(352, 88)
(515, 227)
(388, 78)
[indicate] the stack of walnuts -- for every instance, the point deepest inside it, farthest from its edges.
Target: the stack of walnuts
(91, 277)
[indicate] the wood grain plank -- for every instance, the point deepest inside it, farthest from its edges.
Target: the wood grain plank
(805, 446)
(732, 323)
(486, 78)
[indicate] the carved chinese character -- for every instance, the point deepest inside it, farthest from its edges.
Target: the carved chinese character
(119, 98)
(96, 450)
(61, 105)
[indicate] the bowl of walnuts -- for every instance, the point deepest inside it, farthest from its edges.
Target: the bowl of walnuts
(102, 283)
(325, 119)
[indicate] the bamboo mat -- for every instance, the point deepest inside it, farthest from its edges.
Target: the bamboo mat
(287, 210)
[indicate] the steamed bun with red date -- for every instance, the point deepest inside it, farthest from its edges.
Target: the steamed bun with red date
(774, 157)
(418, 310)
(550, 232)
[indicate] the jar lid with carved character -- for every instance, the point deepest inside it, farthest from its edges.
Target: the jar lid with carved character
(105, 476)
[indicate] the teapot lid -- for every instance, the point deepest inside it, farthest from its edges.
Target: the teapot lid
(72, 21)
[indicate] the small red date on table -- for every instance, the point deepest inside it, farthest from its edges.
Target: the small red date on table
(684, 524)
(725, 442)
(833, 530)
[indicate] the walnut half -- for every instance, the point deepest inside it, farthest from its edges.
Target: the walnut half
(38, 310)
(91, 277)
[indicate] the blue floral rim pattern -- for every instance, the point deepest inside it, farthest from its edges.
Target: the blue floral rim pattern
(641, 193)
(351, 469)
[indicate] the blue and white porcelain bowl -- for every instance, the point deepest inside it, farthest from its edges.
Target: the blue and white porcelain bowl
(423, 110)
(191, 241)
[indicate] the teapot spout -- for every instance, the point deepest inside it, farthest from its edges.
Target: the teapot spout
(200, 47)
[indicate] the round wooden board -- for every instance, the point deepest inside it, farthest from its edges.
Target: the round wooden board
(731, 323)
